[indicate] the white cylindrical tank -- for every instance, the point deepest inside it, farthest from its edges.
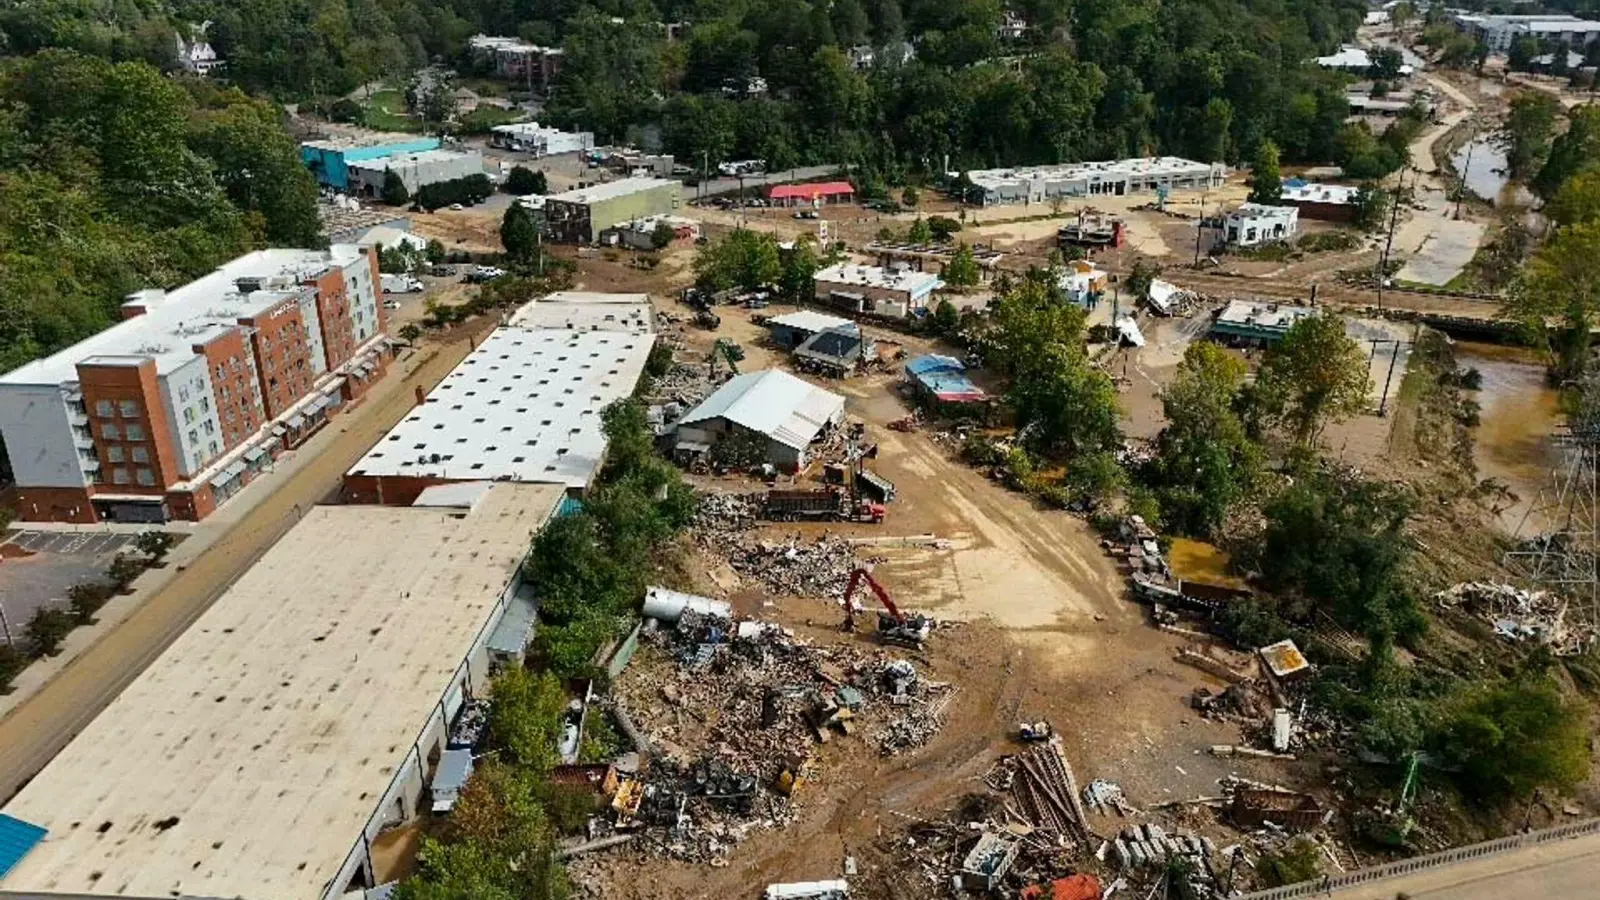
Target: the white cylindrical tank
(667, 605)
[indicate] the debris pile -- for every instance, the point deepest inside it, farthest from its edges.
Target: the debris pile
(733, 713)
(818, 569)
(1521, 615)
(683, 384)
(1043, 791)
(1106, 797)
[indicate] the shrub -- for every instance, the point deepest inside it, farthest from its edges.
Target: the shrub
(87, 598)
(124, 569)
(12, 662)
(46, 630)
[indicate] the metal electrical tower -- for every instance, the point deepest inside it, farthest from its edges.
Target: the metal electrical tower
(1557, 545)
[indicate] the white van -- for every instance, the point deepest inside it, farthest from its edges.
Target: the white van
(401, 284)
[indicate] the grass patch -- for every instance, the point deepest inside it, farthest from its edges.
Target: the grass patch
(480, 120)
(386, 111)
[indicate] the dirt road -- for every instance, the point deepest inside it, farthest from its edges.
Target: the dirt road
(36, 730)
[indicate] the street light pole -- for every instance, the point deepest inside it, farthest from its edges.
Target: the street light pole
(1388, 244)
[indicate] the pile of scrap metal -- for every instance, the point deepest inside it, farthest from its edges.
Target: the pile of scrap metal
(1288, 810)
(1521, 615)
(1137, 547)
(744, 704)
(1193, 858)
(1043, 792)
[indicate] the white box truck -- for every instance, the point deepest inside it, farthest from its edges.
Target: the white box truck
(401, 284)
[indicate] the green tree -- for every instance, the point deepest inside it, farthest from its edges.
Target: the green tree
(1266, 179)
(797, 278)
(1561, 283)
(409, 332)
(1574, 151)
(742, 258)
(86, 599)
(910, 197)
(394, 191)
(1402, 14)
(920, 232)
(1513, 738)
(946, 320)
(522, 181)
(154, 544)
(526, 718)
(1139, 278)
(47, 629)
(943, 228)
(1527, 131)
(1521, 55)
(1386, 63)
(962, 270)
(1315, 375)
(662, 235)
(435, 251)
(519, 233)
(1372, 206)
(1578, 200)
(1205, 461)
(123, 571)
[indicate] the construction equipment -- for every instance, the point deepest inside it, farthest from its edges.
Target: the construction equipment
(788, 506)
(894, 627)
(1392, 827)
(729, 352)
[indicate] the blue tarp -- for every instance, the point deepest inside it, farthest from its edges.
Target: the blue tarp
(570, 506)
(16, 839)
(946, 378)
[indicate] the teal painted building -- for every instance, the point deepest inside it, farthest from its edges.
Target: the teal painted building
(329, 161)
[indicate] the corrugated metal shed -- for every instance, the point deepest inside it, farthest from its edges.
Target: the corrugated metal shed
(774, 403)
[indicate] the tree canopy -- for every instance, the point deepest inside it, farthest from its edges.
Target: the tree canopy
(114, 178)
(1317, 374)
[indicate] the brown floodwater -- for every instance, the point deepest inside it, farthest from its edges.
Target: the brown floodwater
(1518, 414)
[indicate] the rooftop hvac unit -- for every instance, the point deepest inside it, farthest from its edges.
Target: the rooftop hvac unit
(248, 284)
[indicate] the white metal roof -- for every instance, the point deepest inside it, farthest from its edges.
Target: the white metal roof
(1346, 58)
(248, 758)
(1264, 211)
(586, 311)
(612, 189)
(774, 403)
(878, 277)
(991, 179)
(1312, 192)
(524, 406)
(1263, 315)
(418, 159)
(809, 320)
(176, 320)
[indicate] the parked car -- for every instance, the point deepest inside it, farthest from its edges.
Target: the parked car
(442, 271)
(481, 274)
(391, 304)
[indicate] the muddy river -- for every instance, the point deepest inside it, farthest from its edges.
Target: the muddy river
(1518, 413)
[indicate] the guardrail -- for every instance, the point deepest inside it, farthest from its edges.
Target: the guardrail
(1430, 861)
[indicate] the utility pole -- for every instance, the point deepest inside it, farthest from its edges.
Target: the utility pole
(1388, 244)
(1199, 229)
(1461, 185)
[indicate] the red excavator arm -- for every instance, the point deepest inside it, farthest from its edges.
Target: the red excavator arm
(856, 577)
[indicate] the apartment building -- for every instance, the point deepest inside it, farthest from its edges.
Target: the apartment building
(515, 59)
(1499, 32)
(171, 411)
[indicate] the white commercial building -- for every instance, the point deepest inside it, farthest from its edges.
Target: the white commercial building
(524, 406)
(1500, 32)
(1040, 184)
(788, 412)
(896, 293)
(272, 748)
(531, 137)
(415, 169)
(1257, 223)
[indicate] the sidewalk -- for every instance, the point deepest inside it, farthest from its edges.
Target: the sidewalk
(201, 536)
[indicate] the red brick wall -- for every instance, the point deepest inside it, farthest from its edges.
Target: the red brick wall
(283, 356)
(387, 490)
(333, 308)
(137, 383)
(191, 506)
(233, 389)
(356, 387)
(47, 504)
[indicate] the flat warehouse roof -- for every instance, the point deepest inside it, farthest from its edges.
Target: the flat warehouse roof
(246, 761)
(612, 189)
(524, 406)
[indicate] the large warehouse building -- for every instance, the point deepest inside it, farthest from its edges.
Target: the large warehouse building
(1115, 178)
(168, 413)
(271, 750)
(524, 406)
(580, 216)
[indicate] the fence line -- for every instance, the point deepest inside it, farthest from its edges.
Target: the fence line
(1429, 861)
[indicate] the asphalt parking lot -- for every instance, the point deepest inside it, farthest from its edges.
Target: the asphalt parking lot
(70, 543)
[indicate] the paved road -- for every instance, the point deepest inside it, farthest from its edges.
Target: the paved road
(1568, 870)
(37, 729)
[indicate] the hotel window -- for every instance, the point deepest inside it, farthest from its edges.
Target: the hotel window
(109, 432)
(119, 476)
(147, 477)
(102, 407)
(114, 454)
(135, 432)
(140, 454)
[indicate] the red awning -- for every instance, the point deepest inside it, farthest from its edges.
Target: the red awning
(810, 191)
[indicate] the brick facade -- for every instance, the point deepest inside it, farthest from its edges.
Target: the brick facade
(132, 433)
(45, 504)
(283, 357)
(233, 387)
(333, 308)
(387, 490)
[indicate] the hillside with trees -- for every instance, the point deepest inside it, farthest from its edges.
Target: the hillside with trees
(114, 178)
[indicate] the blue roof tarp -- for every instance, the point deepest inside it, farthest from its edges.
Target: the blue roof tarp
(16, 839)
(945, 377)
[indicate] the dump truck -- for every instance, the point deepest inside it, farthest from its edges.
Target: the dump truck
(788, 506)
